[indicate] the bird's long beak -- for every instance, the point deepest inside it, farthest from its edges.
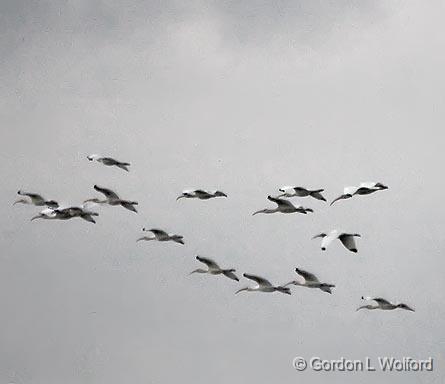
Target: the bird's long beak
(36, 217)
(240, 290)
(179, 197)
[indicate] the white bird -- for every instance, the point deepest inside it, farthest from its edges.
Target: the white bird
(160, 235)
(111, 198)
(66, 214)
(109, 161)
(284, 206)
(347, 239)
(263, 286)
(200, 194)
(301, 192)
(214, 269)
(310, 281)
(383, 304)
(365, 188)
(35, 199)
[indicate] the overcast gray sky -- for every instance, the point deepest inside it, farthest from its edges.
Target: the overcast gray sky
(243, 96)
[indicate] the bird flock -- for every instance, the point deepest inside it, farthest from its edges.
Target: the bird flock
(53, 211)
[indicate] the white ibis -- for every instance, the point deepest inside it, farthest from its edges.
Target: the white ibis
(301, 192)
(111, 198)
(66, 214)
(109, 161)
(263, 285)
(283, 206)
(160, 235)
(35, 199)
(214, 269)
(200, 194)
(365, 188)
(384, 305)
(310, 281)
(347, 239)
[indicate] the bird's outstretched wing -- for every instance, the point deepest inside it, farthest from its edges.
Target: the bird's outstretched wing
(129, 205)
(231, 275)
(109, 194)
(381, 301)
(35, 198)
(209, 262)
(261, 281)
(202, 193)
(280, 202)
(348, 241)
(308, 277)
(158, 232)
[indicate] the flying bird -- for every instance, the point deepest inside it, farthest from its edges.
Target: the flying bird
(109, 161)
(160, 235)
(365, 188)
(214, 269)
(310, 281)
(66, 214)
(263, 285)
(301, 192)
(347, 239)
(35, 199)
(200, 194)
(369, 187)
(383, 304)
(283, 206)
(111, 198)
